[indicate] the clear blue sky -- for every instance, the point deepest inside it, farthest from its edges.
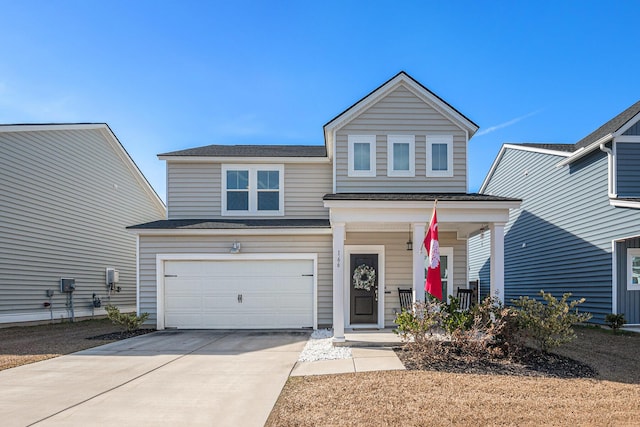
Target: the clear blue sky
(169, 75)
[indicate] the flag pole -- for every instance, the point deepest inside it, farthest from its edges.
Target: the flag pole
(435, 203)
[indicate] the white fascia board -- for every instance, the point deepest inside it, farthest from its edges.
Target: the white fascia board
(209, 159)
(231, 232)
(521, 148)
(419, 216)
(624, 203)
(585, 150)
(48, 127)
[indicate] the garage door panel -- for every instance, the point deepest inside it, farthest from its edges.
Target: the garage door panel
(205, 294)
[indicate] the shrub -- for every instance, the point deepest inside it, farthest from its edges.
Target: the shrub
(129, 321)
(455, 319)
(549, 324)
(418, 325)
(615, 321)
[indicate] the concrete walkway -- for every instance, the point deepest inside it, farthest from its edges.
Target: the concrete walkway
(194, 378)
(363, 359)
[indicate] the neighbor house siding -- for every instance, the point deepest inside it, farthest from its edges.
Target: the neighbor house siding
(150, 246)
(401, 112)
(65, 200)
(194, 190)
(560, 238)
(628, 302)
(628, 169)
(398, 264)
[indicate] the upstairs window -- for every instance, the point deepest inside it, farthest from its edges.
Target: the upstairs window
(252, 190)
(362, 155)
(401, 155)
(439, 155)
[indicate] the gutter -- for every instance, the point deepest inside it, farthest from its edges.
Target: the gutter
(586, 150)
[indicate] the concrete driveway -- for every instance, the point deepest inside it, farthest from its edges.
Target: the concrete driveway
(164, 378)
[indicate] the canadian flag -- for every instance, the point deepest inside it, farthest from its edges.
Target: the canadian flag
(433, 284)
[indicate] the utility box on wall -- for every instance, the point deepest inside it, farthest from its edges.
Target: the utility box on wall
(113, 276)
(67, 285)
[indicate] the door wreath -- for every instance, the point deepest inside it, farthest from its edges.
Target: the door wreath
(364, 277)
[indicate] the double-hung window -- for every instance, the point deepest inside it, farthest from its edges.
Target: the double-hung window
(401, 155)
(362, 155)
(439, 155)
(252, 190)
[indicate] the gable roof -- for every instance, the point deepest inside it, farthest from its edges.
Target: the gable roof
(611, 127)
(107, 133)
(250, 151)
(404, 79)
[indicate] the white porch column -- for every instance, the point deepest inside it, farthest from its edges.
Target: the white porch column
(497, 260)
(418, 262)
(338, 281)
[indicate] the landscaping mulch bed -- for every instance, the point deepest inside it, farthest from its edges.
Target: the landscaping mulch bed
(529, 363)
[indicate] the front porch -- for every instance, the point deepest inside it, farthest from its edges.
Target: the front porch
(373, 230)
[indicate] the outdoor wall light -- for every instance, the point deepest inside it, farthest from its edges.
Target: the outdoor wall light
(409, 242)
(235, 247)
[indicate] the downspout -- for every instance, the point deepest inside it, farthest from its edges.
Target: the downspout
(610, 171)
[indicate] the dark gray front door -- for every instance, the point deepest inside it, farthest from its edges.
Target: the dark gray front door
(363, 301)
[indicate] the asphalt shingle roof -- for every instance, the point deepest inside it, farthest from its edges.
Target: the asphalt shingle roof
(548, 146)
(419, 197)
(252, 151)
(611, 126)
(230, 224)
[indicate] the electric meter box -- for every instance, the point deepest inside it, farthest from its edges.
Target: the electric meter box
(67, 285)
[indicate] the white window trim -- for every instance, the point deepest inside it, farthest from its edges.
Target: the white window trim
(439, 139)
(367, 139)
(632, 252)
(253, 190)
(401, 139)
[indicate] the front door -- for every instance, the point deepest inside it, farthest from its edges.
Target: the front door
(364, 288)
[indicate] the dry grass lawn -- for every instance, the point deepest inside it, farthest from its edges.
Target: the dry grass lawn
(419, 398)
(27, 344)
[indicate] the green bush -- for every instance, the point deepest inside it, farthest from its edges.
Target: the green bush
(615, 321)
(129, 321)
(454, 318)
(418, 325)
(549, 324)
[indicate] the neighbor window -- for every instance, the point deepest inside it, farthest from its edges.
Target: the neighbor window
(439, 155)
(633, 269)
(362, 155)
(252, 190)
(401, 155)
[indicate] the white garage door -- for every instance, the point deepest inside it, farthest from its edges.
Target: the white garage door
(243, 294)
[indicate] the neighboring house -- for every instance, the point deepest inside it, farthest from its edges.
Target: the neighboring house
(270, 236)
(68, 192)
(578, 228)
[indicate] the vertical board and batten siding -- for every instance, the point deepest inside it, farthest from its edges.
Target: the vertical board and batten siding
(628, 302)
(66, 199)
(628, 169)
(398, 263)
(194, 190)
(401, 112)
(322, 245)
(560, 238)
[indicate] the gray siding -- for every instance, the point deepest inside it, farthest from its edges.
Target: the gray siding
(194, 190)
(401, 112)
(150, 246)
(627, 301)
(633, 130)
(65, 200)
(398, 264)
(560, 238)
(628, 169)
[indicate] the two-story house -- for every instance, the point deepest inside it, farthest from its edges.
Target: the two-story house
(272, 236)
(578, 228)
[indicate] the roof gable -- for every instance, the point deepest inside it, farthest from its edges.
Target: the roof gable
(408, 82)
(631, 114)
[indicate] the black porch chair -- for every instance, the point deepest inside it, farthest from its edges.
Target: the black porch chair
(406, 298)
(465, 296)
